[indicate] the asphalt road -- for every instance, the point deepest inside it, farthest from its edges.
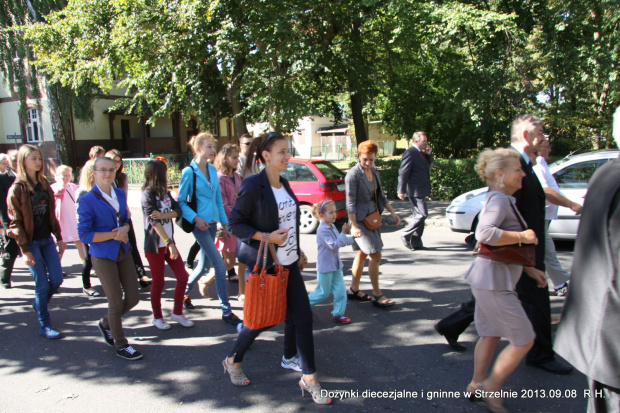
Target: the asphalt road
(394, 351)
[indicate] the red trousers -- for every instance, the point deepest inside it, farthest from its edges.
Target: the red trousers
(157, 263)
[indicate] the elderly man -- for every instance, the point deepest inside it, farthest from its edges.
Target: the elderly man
(526, 136)
(554, 197)
(590, 328)
(414, 178)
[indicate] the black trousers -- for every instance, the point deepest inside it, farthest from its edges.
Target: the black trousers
(457, 322)
(137, 260)
(11, 252)
(193, 251)
(535, 302)
(298, 337)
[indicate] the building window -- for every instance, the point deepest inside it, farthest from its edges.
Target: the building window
(33, 126)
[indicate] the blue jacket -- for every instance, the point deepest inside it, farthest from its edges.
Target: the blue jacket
(210, 205)
(96, 215)
(256, 211)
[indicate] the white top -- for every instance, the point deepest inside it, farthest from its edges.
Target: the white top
(112, 200)
(547, 181)
(166, 206)
(287, 214)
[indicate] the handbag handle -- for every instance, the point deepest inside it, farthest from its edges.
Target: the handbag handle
(263, 248)
(519, 217)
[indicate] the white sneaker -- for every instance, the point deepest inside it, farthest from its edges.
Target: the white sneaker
(291, 364)
(161, 324)
(182, 320)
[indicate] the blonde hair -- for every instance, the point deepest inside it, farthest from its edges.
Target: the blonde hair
(220, 159)
(319, 207)
(490, 161)
(198, 140)
(63, 168)
(87, 175)
(95, 152)
(22, 154)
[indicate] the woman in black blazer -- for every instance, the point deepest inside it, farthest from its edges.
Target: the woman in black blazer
(266, 204)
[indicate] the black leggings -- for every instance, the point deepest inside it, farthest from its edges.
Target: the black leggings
(297, 327)
(137, 260)
(87, 265)
(191, 256)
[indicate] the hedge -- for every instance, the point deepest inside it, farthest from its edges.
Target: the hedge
(449, 177)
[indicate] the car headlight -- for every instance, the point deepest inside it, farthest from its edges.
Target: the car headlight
(461, 198)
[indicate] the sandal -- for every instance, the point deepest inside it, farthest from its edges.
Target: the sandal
(315, 392)
(355, 295)
(377, 302)
(236, 374)
(473, 396)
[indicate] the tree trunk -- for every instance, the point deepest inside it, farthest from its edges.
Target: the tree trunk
(61, 126)
(358, 118)
(235, 97)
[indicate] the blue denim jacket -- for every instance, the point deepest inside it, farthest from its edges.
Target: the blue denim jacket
(96, 215)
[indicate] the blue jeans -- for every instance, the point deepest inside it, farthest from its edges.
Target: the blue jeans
(47, 274)
(209, 255)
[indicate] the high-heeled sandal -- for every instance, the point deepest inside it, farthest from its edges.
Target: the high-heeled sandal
(315, 392)
(236, 374)
(493, 404)
(472, 393)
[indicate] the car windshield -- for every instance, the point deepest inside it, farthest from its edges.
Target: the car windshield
(328, 170)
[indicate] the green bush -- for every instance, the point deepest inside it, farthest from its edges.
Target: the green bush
(449, 177)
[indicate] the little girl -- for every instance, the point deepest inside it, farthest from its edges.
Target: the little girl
(158, 210)
(65, 194)
(329, 267)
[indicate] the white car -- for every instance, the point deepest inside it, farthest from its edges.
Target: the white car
(572, 174)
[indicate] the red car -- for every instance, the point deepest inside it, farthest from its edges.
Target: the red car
(312, 181)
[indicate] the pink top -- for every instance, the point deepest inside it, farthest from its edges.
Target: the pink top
(229, 197)
(66, 210)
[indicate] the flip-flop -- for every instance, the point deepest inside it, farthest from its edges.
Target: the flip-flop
(382, 304)
(356, 295)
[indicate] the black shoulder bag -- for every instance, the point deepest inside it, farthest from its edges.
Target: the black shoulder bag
(186, 225)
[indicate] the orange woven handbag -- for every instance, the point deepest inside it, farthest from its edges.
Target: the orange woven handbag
(265, 294)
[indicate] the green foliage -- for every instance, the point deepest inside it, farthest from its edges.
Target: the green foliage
(449, 177)
(134, 168)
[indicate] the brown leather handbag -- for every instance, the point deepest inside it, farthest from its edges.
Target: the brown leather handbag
(373, 221)
(521, 254)
(265, 294)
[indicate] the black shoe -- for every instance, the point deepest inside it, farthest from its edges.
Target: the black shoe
(129, 353)
(421, 248)
(452, 341)
(552, 366)
(144, 284)
(232, 319)
(187, 303)
(107, 334)
(6, 286)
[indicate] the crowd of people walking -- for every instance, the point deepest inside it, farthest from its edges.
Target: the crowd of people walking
(233, 200)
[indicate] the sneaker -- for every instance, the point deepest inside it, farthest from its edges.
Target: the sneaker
(129, 353)
(182, 320)
(562, 290)
(291, 364)
(107, 334)
(161, 323)
(232, 319)
(49, 332)
(342, 319)
(187, 303)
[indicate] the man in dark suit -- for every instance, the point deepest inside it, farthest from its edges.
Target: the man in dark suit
(590, 329)
(526, 135)
(414, 179)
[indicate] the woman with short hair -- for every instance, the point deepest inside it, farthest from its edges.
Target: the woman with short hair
(365, 196)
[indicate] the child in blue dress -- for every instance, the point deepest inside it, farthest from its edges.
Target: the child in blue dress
(329, 266)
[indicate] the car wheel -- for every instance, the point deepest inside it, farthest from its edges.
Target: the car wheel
(308, 222)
